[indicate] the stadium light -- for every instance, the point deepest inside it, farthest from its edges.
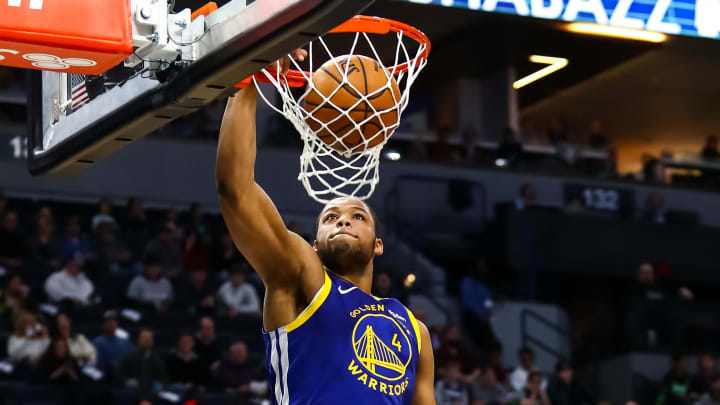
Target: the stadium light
(617, 32)
(554, 63)
(393, 155)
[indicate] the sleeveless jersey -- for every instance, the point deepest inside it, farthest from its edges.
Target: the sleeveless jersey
(346, 347)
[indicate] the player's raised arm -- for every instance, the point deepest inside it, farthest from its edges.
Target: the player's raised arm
(278, 255)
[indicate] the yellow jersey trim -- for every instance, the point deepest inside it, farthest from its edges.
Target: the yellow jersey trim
(416, 328)
(316, 302)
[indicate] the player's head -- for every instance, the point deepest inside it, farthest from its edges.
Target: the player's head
(346, 239)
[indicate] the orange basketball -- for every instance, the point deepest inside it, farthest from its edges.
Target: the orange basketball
(365, 77)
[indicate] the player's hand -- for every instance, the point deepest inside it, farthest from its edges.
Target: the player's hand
(299, 55)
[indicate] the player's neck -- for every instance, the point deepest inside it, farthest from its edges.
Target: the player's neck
(361, 279)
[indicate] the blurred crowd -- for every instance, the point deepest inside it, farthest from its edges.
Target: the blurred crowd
(148, 302)
(135, 305)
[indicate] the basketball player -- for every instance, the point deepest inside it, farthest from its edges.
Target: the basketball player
(328, 340)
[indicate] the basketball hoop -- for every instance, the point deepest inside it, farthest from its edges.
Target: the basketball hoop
(325, 171)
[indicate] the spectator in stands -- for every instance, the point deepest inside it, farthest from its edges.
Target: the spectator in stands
(69, 287)
(510, 149)
(675, 388)
(104, 214)
(207, 345)
(60, 368)
(171, 222)
(488, 389)
(29, 341)
(111, 252)
(12, 245)
(649, 289)
(653, 169)
(527, 197)
(234, 374)
(477, 303)
(225, 254)
(563, 390)
(238, 296)
(453, 349)
(654, 212)
(42, 249)
(136, 228)
(110, 347)
(452, 389)
(712, 397)
(167, 251)
(15, 298)
(75, 241)
(597, 139)
(710, 150)
(184, 366)
(196, 295)
(198, 223)
(647, 305)
(519, 376)
(568, 149)
(495, 362)
(707, 372)
(81, 350)
(194, 252)
(143, 369)
(534, 392)
(151, 290)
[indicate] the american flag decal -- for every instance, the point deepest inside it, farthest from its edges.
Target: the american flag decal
(78, 91)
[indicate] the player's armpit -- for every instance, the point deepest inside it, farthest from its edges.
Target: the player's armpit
(425, 374)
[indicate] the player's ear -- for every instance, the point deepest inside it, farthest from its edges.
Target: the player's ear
(378, 247)
(315, 245)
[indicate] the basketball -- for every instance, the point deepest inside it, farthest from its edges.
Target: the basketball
(377, 117)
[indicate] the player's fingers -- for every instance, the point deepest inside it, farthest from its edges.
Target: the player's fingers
(284, 65)
(300, 55)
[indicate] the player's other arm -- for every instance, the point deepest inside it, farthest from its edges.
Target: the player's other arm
(425, 375)
(257, 229)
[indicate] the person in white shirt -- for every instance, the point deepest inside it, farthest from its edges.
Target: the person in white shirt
(70, 284)
(80, 347)
(238, 296)
(150, 289)
(519, 376)
(29, 341)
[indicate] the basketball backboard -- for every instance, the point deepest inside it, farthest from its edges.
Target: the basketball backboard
(180, 63)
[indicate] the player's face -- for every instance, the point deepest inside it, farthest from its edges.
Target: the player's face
(346, 235)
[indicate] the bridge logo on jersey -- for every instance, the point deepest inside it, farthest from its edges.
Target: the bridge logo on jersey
(382, 346)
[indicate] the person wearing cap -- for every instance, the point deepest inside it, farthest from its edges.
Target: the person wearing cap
(69, 285)
(110, 347)
(564, 390)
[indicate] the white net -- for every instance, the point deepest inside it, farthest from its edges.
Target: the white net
(343, 140)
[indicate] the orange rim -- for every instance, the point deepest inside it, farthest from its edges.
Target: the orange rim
(359, 23)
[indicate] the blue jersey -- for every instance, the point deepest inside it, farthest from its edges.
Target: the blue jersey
(346, 347)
